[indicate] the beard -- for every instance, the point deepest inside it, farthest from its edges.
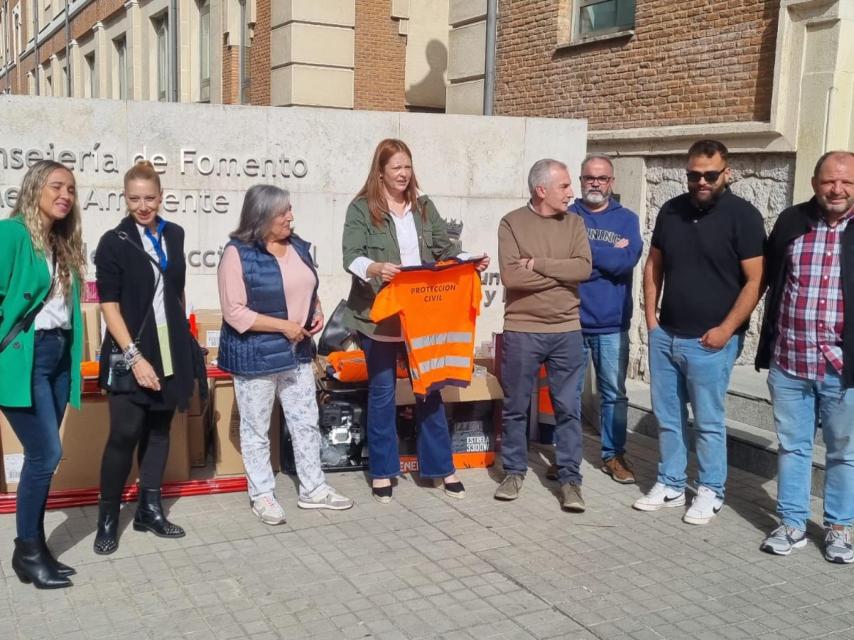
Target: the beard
(706, 198)
(594, 198)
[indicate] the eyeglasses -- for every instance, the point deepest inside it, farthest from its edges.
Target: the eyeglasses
(708, 176)
(592, 179)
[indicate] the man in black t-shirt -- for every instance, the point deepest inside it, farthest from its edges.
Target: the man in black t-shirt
(707, 255)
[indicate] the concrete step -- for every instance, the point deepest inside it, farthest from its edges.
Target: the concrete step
(749, 447)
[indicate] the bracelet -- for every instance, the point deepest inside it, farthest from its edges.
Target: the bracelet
(131, 354)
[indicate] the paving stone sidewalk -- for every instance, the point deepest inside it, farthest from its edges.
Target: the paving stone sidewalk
(427, 566)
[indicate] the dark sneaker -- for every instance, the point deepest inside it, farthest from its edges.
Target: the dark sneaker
(837, 545)
(783, 540)
(618, 469)
(510, 487)
(551, 472)
(570, 498)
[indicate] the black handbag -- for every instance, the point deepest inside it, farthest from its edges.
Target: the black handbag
(335, 335)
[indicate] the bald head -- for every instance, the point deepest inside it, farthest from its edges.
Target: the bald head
(833, 183)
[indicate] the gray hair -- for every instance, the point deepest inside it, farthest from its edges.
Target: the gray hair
(597, 156)
(540, 173)
(260, 205)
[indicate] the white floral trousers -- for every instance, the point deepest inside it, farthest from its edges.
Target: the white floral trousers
(296, 393)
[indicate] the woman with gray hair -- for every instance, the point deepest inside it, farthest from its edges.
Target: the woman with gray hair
(268, 295)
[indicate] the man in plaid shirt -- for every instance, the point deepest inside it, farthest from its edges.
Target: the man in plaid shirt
(807, 342)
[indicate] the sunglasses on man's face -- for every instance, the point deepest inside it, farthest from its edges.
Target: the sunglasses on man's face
(709, 176)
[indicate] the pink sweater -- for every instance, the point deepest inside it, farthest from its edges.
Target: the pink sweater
(299, 285)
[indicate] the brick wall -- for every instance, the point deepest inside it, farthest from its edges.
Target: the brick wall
(380, 58)
(230, 74)
(259, 62)
(81, 24)
(690, 62)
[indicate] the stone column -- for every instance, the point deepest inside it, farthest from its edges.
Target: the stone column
(466, 57)
(312, 53)
(134, 50)
(75, 69)
(101, 61)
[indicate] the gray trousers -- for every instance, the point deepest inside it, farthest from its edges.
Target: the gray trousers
(296, 392)
(563, 355)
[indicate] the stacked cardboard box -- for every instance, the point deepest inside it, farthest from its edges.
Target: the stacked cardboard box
(209, 324)
(84, 434)
(225, 418)
(92, 330)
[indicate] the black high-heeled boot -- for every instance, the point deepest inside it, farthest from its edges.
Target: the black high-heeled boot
(150, 517)
(107, 536)
(31, 565)
(61, 568)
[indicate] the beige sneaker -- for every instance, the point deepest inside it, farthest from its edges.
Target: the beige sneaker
(618, 469)
(268, 510)
(570, 498)
(331, 500)
(510, 487)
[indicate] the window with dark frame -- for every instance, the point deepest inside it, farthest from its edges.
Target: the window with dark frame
(204, 50)
(121, 47)
(601, 17)
(161, 32)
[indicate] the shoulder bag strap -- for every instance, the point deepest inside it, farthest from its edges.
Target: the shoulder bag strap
(24, 323)
(123, 236)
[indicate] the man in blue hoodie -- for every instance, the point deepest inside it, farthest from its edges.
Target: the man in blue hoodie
(606, 304)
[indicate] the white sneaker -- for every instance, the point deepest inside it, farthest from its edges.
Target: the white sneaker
(660, 496)
(268, 510)
(704, 507)
(331, 500)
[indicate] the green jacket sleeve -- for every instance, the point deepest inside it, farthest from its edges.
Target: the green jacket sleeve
(354, 242)
(438, 243)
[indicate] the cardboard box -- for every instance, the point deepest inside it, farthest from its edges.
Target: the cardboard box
(92, 332)
(198, 433)
(225, 419)
(197, 407)
(209, 323)
(84, 434)
(484, 387)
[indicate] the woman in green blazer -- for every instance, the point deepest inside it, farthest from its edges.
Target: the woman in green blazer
(41, 267)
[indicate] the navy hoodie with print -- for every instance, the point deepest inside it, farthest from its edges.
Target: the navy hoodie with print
(606, 298)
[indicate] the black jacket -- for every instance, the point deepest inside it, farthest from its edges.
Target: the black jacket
(791, 225)
(125, 275)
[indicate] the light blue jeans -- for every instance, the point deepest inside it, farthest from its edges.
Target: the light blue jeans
(610, 355)
(798, 405)
(682, 371)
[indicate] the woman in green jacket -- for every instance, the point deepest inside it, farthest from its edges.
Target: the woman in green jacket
(388, 225)
(41, 266)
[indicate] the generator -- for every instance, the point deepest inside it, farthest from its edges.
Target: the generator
(343, 432)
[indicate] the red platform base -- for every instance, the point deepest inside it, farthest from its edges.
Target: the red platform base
(83, 497)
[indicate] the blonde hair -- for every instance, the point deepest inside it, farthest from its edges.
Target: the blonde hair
(65, 237)
(143, 170)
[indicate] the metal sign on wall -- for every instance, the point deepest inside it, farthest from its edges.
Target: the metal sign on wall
(473, 167)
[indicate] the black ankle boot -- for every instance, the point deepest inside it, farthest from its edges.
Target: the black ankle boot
(62, 569)
(150, 517)
(30, 564)
(107, 536)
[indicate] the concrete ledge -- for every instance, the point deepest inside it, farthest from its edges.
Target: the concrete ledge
(749, 447)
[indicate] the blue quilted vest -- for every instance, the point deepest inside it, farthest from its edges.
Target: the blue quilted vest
(256, 353)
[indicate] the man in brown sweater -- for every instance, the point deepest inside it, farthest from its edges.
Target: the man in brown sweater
(543, 255)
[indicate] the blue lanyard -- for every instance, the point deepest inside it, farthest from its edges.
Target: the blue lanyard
(156, 241)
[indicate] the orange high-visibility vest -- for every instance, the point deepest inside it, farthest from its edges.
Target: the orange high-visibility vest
(544, 398)
(351, 366)
(438, 307)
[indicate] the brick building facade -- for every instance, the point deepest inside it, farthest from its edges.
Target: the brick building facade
(685, 64)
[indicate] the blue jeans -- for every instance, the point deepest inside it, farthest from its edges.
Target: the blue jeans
(610, 354)
(37, 427)
(682, 371)
(521, 358)
(434, 438)
(798, 404)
